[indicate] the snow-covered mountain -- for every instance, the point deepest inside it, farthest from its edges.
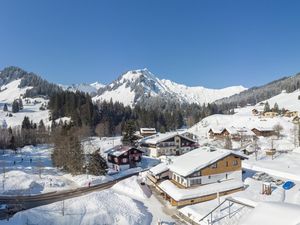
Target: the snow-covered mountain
(134, 85)
(91, 89)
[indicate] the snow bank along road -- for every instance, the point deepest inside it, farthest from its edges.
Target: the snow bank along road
(31, 201)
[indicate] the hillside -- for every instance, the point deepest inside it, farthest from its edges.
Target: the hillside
(286, 100)
(256, 94)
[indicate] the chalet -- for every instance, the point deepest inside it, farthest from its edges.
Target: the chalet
(238, 133)
(123, 157)
(270, 114)
(290, 113)
(145, 132)
(218, 133)
(232, 132)
(171, 143)
(199, 175)
(296, 120)
(255, 112)
(265, 132)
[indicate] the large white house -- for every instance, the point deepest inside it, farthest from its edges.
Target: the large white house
(171, 143)
(199, 175)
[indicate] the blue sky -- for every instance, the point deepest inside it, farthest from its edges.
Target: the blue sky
(209, 43)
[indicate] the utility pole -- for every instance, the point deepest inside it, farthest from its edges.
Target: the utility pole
(63, 208)
(3, 180)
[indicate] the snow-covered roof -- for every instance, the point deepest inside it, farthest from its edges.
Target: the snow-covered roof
(275, 213)
(147, 130)
(158, 169)
(199, 158)
(159, 137)
(217, 130)
(179, 194)
(263, 128)
(119, 150)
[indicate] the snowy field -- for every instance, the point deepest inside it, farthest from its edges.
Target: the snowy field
(127, 202)
(33, 166)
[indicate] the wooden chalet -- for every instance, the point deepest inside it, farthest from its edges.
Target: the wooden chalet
(264, 132)
(218, 133)
(270, 114)
(289, 113)
(296, 120)
(199, 175)
(124, 157)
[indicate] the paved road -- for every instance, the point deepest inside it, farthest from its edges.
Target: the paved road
(31, 201)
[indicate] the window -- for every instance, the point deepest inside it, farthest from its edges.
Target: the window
(137, 158)
(124, 160)
(213, 166)
(235, 163)
(227, 164)
(116, 160)
(195, 181)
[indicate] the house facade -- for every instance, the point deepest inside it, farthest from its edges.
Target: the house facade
(218, 133)
(124, 157)
(167, 144)
(270, 114)
(235, 133)
(199, 175)
(289, 113)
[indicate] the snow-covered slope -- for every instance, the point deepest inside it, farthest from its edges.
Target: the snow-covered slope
(87, 88)
(200, 94)
(285, 100)
(137, 84)
(11, 91)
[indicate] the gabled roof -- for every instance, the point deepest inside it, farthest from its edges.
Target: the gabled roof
(158, 169)
(160, 137)
(120, 150)
(263, 128)
(200, 158)
(217, 130)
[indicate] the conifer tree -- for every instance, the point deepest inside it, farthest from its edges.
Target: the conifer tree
(97, 164)
(5, 108)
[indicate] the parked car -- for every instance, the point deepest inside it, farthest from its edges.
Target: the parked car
(279, 182)
(288, 185)
(260, 176)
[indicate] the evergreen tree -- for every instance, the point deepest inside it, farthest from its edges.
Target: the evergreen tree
(267, 107)
(76, 156)
(97, 164)
(5, 108)
(129, 131)
(26, 123)
(276, 108)
(15, 106)
(20, 104)
(41, 126)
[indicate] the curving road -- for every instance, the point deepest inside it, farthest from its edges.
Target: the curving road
(31, 201)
